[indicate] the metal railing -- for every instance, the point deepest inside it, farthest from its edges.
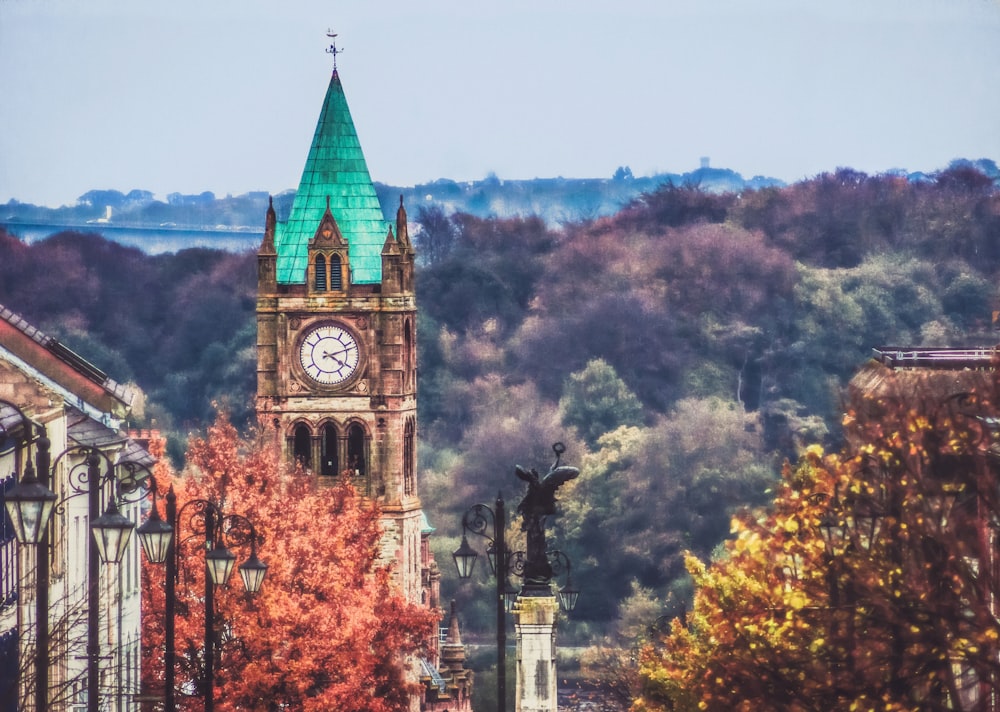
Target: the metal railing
(941, 358)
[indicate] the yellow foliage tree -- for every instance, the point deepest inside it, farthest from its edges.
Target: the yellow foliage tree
(870, 583)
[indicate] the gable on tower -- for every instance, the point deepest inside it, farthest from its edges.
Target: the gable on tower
(335, 180)
(329, 257)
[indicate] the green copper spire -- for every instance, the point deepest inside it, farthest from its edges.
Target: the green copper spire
(336, 169)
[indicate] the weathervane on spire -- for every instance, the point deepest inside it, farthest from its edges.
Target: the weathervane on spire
(332, 49)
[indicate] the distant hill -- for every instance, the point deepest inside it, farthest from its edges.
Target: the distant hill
(559, 200)
(556, 200)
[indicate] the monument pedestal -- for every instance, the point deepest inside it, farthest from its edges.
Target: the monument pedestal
(535, 626)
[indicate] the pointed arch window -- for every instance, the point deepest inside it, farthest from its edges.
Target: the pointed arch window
(329, 463)
(409, 456)
(408, 355)
(302, 446)
(357, 457)
(336, 273)
(320, 273)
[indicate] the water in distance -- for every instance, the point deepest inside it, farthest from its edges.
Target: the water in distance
(151, 240)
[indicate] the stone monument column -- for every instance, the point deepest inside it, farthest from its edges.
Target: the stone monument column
(535, 626)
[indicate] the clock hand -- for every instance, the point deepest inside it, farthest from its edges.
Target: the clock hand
(328, 355)
(334, 355)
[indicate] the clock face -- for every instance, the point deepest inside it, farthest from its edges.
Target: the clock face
(329, 354)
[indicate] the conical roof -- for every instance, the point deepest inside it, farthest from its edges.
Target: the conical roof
(335, 169)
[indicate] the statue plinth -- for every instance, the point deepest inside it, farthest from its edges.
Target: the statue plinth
(535, 624)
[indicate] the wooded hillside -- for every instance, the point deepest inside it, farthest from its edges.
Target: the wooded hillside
(682, 348)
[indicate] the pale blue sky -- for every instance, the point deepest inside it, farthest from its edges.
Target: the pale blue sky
(223, 95)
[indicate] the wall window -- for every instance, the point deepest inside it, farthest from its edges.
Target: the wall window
(328, 451)
(328, 273)
(408, 457)
(356, 457)
(336, 273)
(407, 356)
(302, 446)
(320, 278)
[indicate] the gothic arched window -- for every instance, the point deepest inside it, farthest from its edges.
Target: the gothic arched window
(336, 273)
(408, 356)
(320, 281)
(302, 446)
(409, 455)
(328, 451)
(357, 460)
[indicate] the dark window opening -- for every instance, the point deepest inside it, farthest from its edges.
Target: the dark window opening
(328, 451)
(407, 356)
(408, 457)
(302, 446)
(356, 450)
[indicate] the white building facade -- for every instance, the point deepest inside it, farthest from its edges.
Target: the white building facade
(48, 391)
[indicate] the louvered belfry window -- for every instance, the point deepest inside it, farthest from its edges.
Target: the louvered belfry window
(335, 273)
(320, 282)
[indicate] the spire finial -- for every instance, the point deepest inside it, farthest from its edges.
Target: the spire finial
(332, 49)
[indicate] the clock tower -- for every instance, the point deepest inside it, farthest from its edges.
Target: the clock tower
(336, 340)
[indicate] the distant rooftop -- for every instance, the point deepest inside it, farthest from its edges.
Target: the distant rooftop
(952, 359)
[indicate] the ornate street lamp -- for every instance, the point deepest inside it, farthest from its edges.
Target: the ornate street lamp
(208, 522)
(155, 535)
(465, 556)
(867, 524)
(832, 528)
(29, 505)
(479, 520)
(253, 571)
(558, 564)
(568, 595)
(112, 532)
(220, 562)
(536, 566)
(510, 595)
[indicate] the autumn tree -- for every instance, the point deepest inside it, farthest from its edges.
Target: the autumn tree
(870, 582)
(328, 629)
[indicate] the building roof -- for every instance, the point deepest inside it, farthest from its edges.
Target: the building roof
(335, 170)
(87, 432)
(11, 420)
(64, 367)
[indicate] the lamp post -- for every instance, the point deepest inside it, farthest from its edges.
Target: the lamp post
(30, 505)
(480, 519)
(846, 526)
(559, 563)
(206, 519)
(537, 566)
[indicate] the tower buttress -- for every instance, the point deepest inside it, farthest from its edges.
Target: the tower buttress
(267, 332)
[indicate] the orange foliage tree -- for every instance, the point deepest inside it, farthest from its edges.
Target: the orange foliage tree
(871, 583)
(328, 630)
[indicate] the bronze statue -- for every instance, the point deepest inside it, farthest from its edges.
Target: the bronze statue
(538, 503)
